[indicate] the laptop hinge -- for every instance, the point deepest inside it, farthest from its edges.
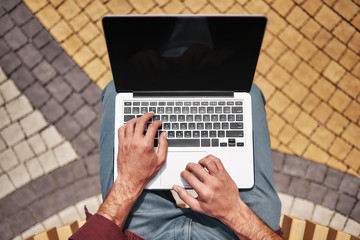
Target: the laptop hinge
(183, 93)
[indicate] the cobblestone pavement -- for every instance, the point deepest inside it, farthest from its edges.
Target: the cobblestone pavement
(54, 63)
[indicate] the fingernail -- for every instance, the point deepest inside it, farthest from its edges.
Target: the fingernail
(175, 189)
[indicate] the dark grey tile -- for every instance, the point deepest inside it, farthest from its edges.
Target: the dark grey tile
(8, 206)
(277, 160)
(85, 115)
(8, 5)
(63, 176)
(281, 182)
(73, 103)
(9, 62)
(22, 221)
(295, 166)
(52, 111)
(298, 187)
(316, 172)
(63, 63)
(68, 127)
(44, 208)
(98, 108)
(77, 79)
(15, 38)
(59, 89)
(6, 24)
(333, 178)
(92, 164)
(97, 185)
(37, 95)
(22, 78)
(316, 193)
(330, 199)
(78, 169)
(83, 144)
(29, 55)
(44, 72)
(4, 47)
(350, 185)
(43, 185)
(84, 188)
(42, 38)
(51, 50)
(355, 212)
(65, 197)
(94, 130)
(21, 14)
(32, 27)
(23, 196)
(5, 230)
(91, 94)
(345, 204)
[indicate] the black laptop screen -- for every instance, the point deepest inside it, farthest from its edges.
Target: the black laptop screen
(183, 53)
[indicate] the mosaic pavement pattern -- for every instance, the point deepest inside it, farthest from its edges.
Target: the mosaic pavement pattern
(54, 64)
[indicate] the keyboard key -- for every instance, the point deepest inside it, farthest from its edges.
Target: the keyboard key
(204, 103)
(210, 109)
(127, 110)
(160, 110)
(165, 118)
(200, 126)
(196, 103)
(187, 134)
(202, 110)
(213, 103)
(216, 126)
(205, 142)
(177, 110)
(170, 134)
(175, 126)
(206, 118)
(225, 125)
(221, 134)
(240, 144)
(179, 103)
(223, 144)
(135, 110)
(214, 118)
(167, 126)
(179, 134)
(169, 110)
(128, 117)
(234, 133)
(185, 110)
(222, 118)
(181, 118)
(191, 126)
(156, 117)
(221, 103)
(127, 103)
(144, 110)
(162, 103)
(196, 134)
(152, 109)
(214, 142)
(183, 126)
(187, 103)
(189, 118)
(236, 125)
(144, 103)
(173, 118)
(183, 142)
(237, 110)
(208, 126)
(153, 103)
(170, 103)
(231, 142)
(136, 103)
(218, 109)
(198, 118)
(226, 109)
(212, 134)
(238, 103)
(231, 117)
(204, 134)
(230, 103)
(193, 110)
(239, 117)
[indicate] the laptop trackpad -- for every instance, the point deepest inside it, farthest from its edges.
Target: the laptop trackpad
(175, 164)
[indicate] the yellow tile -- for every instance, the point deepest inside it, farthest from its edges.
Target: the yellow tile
(276, 48)
(354, 42)
(356, 70)
(83, 56)
(295, 91)
(344, 31)
(312, 6)
(289, 60)
(274, 142)
(56, 3)
(305, 124)
(336, 164)
(279, 102)
(268, 38)
(275, 23)
(266, 87)
(353, 111)
(297, 17)
(287, 134)
(222, 5)
(61, 31)
(310, 28)
(356, 21)
(278, 76)
(276, 123)
(334, 71)
(291, 113)
(195, 5)
(104, 80)
(339, 100)
(322, 38)
(284, 149)
(161, 2)
(315, 154)
(257, 7)
(264, 63)
(310, 103)
(337, 123)
(305, 74)
(322, 112)
(350, 85)
(346, 8)
(142, 6)
(156, 10)
(72, 44)
(174, 7)
(89, 32)
(79, 21)
(353, 159)
(209, 9)
(298, 144)
(83, 3)
(282, 6)
(339, 148)
(323, 89)
(48, 16)
(237, 9)
(352, 172)
(327, 17)
(290, 36)
(306, 49)
(349, 59)
(98, 45)
(96, 10)
(95, 68)
(323, 137)
(320, 61)
(69, 9)
(119, 7)
(35, 6)
(352, 134)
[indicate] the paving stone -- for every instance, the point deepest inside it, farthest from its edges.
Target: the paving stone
(48, 161)
(34, 168)
(32, 27)
(91, 94)
(78, 168)
(5, 230)
(62, 63)
(21, 14)
(18, 108)
(350, 185)
(65, 153)
(316, 193)
(52, 110)
(333, 178)
(51, 50)
(281, 182)
(77, 79)
(330, 199)
(316, 172)
(92, 204)
(23, 151)
(302, 208)
(4, 47)
(51, 137)
(15, 38)
(59, 89)
(298, 187)
(345, 204)
(22, 78)
(6, 186)
(92, 164)
(44, 207)
(4, 118)
(352, 227)
(42, 38)
(29, 55)
(63, 176)
(43, 185)
(44, 72)
(9, 62)
(8, 159)
(69, 214)
(9, 90)
(37, 95)
(85, 115)
(68, 127)
(9, 4)
(6, 24)
(94, 130)
(23, 196)
(355, 212)
(277, 160)
(3, 76)
(19, 176)
(322, 215)
(338, 221)
(12, 134)
(73, 102)
(83, 144)
(84, 188)
(97, 186)
(53, 221)
(33, 123)
(65, 197)
(295, 166)
(97, 108)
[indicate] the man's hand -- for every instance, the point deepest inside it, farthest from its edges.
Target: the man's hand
(218, 197)
(137, 164)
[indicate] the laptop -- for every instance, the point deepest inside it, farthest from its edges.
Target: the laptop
(195, 72)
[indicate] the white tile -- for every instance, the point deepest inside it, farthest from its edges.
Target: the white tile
(37, 144)
(286, 203)
(19, 176)
(17, 238)
(34, 168)
(33, 123)
(3, 76)
(9, 90)
(6, 186)
(338, 221)
(51, 136)
(4, 117)
(2, 144)
(36, 229)
(8, 159)
(69, 215)
(352, 227)
(53, 221)
(65, 153)
(12, 134)
(302, 209)
(48, 161)
(2, 100)
(23, 151)
(92, 204)
(18, 108)
(322, 215)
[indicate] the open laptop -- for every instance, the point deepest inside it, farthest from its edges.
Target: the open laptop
(195, 72)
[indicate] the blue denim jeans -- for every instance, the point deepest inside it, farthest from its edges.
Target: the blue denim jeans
(155, 214)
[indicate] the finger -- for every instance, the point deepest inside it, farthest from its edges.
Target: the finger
(141, 124)
(187, 198)
(212, 164)
(121, 133)
(163, 146)
(152, 129)
(198, 170)
(193, 181)
(130, 127)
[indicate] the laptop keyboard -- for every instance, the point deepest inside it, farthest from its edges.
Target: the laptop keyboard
(194, 123)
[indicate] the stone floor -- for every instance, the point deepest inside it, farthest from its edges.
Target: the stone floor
(54, 64)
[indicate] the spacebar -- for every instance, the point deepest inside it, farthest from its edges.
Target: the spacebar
(183, 142)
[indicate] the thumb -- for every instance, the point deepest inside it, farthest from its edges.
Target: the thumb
(187, 198)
